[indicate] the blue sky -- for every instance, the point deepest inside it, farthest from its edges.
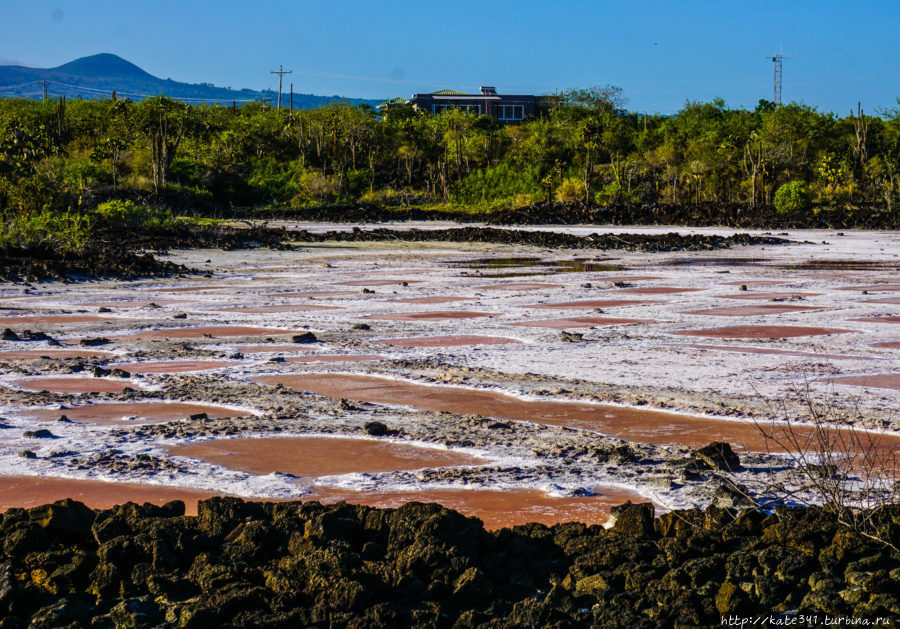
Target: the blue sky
(660, 53)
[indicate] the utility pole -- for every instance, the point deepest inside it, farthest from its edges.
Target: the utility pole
(280, 72)
(292, 98)
(45, 91)
(777, 60)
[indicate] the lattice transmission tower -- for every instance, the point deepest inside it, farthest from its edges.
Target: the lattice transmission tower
(777, 60)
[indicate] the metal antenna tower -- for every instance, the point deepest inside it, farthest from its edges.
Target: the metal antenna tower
(280, 72)
(777, 60)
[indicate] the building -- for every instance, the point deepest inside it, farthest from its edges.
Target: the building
(508, 108)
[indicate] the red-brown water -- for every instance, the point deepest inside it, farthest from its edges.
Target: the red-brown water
(335, 358)
(782, 352)
(495, 508)
(278, 308)
(75, 385)
(751, 311)
(878, 381)
(448, 341)
(888, 300)
(51, 319)
(376, 282)
(754, 283)
(873, 288)
(750, 295)
(578, 322)
(50, 353)
(32, 491)
(175, 366)
(260, 349)
(213, 331)
(888, 345)
(879, 319)
(429, 316)
(762, 332)
(190, 289)
(115, 413)
(633, 424)
(518, 286)
(320, 456)
(595, 303)
(429, 300)
(656, 290)
(314, 293)
(134, 304)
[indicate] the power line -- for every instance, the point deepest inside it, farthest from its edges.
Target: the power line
(99, 91)
(280, 72)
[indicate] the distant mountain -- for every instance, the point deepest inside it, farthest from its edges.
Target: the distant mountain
(98, 76)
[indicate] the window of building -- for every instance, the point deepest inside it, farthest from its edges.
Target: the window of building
(510, 112)
(437, 108)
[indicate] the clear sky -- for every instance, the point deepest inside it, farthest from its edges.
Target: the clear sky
(660, 52)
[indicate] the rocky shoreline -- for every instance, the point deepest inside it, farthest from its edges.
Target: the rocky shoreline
(290, 564)
(734, 215)
(107, 256)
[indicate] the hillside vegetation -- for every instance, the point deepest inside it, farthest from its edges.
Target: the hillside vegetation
(65, 156)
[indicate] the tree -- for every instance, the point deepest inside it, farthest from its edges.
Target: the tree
(163, 122)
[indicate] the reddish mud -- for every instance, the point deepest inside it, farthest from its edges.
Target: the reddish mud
(335, 358)
(577, 322)
(429, 300)
(190, 289)
(656, 290)
(879, 381)
(315, 293)
(75, 385)
(52, 319)
(762, 332)
(278, 308)
(496, 508)
(518, 286)
(261, 349)
(134, 304)
(117, 413)
(749, 295)
(212, 331)
(889, 300)
(781, 352)
(755, 283)
(633, 424)
(375, 282)
(595, 303)
(873, 288)
(320, 456)
(889, 345)
(430, 316)
(174, 366)
(750, 311)
(879, 319)
(51, 353)
(448, 341)
(32, 491)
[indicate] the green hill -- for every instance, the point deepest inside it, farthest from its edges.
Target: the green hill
(97, 76)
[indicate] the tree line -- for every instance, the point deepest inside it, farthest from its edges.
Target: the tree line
(583, 146)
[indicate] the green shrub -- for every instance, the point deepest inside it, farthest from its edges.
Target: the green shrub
(570, 190)
(502, 182)
(125, 214)
(791, 197)
(62, 231)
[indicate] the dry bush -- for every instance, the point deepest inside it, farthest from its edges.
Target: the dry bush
(832, 461)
